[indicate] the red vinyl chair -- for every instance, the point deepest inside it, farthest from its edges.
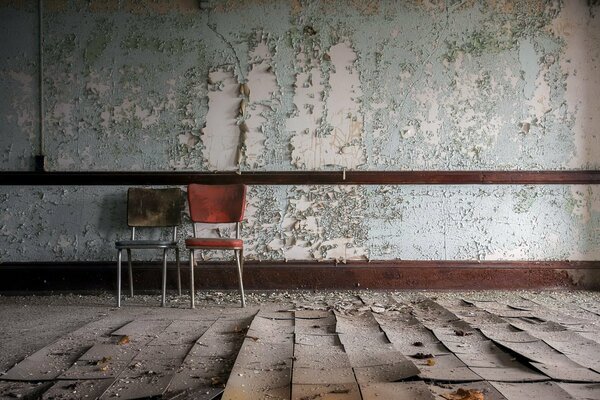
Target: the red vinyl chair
(217, 204)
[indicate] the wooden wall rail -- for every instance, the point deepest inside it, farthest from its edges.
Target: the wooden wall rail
(98, 178)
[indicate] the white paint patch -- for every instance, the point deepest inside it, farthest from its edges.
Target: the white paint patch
(582, 201)
(95, 85)
(344, 249)
(299, 251)
(221, 135)
(309, 112)
(540, 103)
(146, 117)
(580, 29)
(428, 115)
(342, 146)
(128, 110)
(262, 83)
(63, 111)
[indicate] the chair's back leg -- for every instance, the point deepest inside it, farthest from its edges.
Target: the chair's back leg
(178, 270)
(239, 256)
(164, 279)
(192, 279)
(130, 272)
(119, 277)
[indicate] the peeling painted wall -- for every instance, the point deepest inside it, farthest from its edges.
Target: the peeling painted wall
(310, 85)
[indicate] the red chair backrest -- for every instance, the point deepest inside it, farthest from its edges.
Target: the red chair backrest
(216, 203)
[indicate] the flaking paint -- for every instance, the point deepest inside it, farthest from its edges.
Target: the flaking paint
(371, 85)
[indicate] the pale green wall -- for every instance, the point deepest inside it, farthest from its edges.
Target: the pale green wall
(370, 85)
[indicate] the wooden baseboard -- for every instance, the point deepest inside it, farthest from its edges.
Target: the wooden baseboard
(396, 274)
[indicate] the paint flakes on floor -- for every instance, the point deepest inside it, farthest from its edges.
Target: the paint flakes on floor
(325, 345)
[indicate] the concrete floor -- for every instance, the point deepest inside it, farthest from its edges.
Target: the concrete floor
(304, 345)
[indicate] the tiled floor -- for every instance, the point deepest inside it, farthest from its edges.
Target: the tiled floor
(308, 346)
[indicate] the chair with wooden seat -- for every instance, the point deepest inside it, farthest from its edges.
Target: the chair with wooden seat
(151, 208)
(217, 204)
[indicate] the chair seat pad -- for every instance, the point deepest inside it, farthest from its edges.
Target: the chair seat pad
(145, 244)
(214, 243)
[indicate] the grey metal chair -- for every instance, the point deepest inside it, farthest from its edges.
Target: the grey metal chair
(151, 208)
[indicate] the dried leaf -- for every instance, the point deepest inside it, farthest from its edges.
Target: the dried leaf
(104, 360)
(123, 340)
(340, 391)
(422, 356)
(309, 30)
(431, 362)
(459, 332)
(103, 367)
(243, 105)
(245, 90)
(136, 365)
(464, 394)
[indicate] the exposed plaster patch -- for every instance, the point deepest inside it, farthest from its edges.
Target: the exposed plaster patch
(340, 142)
(262, 84)
(221, 135)
(307, 232)
(579, 27)
(97, 85)
(190, 102)
(430, 122)
(129, 110)
(540, 103)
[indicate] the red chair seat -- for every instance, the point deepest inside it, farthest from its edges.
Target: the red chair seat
(214, 243)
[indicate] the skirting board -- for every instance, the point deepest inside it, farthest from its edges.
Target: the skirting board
(396, 274)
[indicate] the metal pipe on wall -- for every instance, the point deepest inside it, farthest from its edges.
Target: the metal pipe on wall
(40, 161)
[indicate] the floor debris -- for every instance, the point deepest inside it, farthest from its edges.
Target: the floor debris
(321, 345)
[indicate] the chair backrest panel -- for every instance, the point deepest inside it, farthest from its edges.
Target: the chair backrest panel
(217, 203)
(154, 207)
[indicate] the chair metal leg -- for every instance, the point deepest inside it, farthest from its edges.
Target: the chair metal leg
(130, 273)
(119, 278)
(178, 270)
(164, 279)
(239, 255)
(192, 278)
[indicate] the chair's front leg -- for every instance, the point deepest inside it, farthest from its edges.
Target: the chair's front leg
(130, 272)
(178, 270)
(239, 256)
(164, 279)
(119, 277)
(192, 278)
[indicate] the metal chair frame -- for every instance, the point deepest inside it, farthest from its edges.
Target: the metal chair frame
(230, 214)
(239, 258)
(135, 243)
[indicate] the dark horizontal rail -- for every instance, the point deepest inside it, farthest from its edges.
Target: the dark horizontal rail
(84, 178)
(393, 274)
